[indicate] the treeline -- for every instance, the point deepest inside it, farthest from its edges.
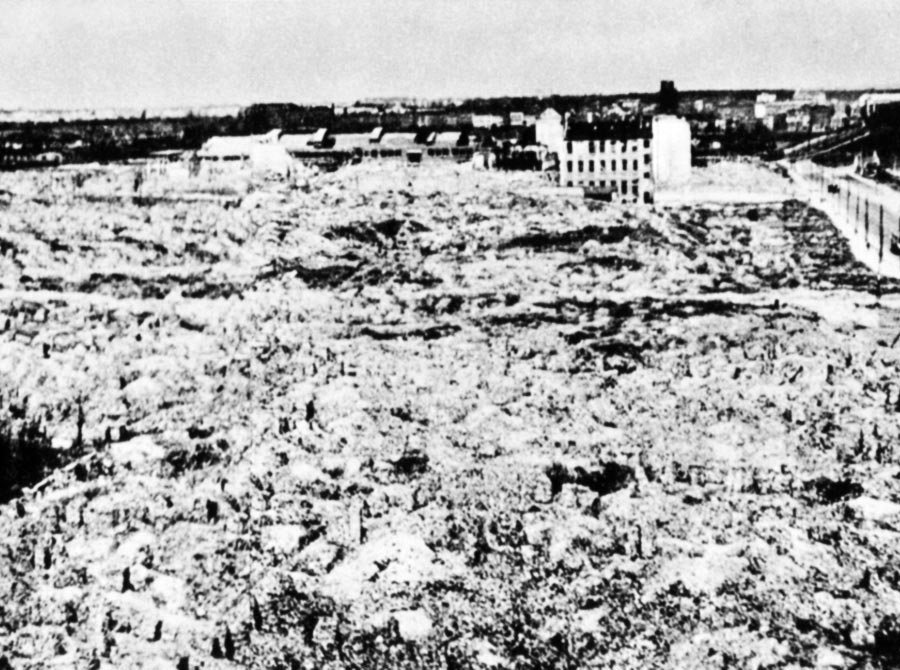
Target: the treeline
(121, 139)
(112, 139)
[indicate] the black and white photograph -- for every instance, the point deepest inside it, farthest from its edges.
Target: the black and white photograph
(449, 334)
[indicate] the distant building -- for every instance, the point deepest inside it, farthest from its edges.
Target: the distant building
(222, 148)
(441, 118)
(820, 117)
(549, 131)
(810, 97)
(396, 142)
(615, 110)
(166, 156)
(364, 110)
(869, 102)
(631, 159)
(49, 158)
(766, 98)
(295, 143)
(521, 119)
(610, 155)
(797, 120)
(263, 153)
(841, 118)
(486, 120)
(377, 144)
(235, 147)
(671, 150)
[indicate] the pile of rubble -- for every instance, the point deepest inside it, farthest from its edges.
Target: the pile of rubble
(427, 417)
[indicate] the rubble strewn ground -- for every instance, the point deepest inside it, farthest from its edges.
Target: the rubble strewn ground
(429, 417)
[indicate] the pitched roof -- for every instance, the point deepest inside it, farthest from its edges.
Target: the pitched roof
(450, 138)
(301, 142)
(270, 137)
(350, 141)
(398, 140)
(227, 147)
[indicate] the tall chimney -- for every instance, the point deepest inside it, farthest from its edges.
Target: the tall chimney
(668, 98)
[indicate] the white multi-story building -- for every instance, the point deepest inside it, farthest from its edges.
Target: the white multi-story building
(549, 130)
(630, 160)
(671, 149)
(609, 157)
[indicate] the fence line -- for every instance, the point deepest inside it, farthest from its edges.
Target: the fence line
(872, 222)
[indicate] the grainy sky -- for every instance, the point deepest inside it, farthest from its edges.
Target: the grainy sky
(81, 53)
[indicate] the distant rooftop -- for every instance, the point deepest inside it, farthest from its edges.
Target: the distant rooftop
(605, 130)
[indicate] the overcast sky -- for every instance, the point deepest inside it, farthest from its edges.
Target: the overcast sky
(80, 53)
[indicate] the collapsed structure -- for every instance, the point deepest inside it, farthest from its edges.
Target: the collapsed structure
(208, 516)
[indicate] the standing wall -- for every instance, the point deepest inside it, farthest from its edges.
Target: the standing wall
(671, 151)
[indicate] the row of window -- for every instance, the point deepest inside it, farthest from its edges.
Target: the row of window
(433, 151)
(610, 145)
(22, 158)
(621, 187)
(612, 165)
(439, 151)
(383, 153)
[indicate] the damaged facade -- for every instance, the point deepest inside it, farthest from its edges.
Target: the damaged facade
(625, 159)
(609, 156)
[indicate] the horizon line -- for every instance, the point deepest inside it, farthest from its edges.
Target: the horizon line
(540, 96)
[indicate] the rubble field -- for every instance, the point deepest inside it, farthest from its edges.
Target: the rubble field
(428, 417)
